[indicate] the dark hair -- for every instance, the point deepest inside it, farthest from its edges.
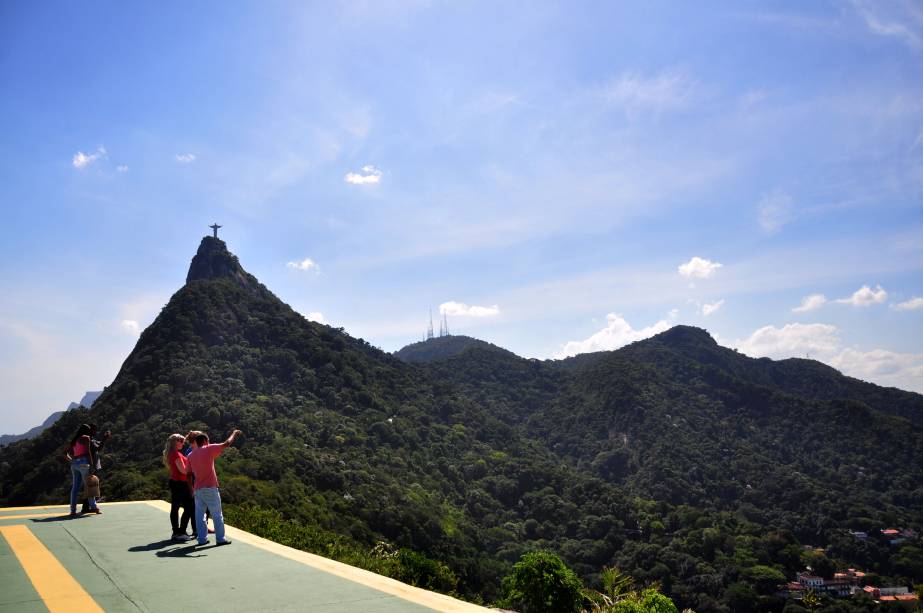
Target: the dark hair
(93, 428)
(201, 440)
(83, 430)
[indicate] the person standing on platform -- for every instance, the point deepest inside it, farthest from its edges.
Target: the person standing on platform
(79, 454)
(207, 496)
(96, 445)
(180, 492)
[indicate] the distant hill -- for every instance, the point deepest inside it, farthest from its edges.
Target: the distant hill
(679, 461)
(441, 348)
(88, 399)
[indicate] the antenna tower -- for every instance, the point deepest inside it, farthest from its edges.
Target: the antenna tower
(429, 331)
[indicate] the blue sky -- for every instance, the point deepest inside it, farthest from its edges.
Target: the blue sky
(557, 177)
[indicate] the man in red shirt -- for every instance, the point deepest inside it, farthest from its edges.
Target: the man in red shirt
(202, 464)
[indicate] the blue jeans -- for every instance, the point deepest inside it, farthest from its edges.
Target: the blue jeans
(80, 468)
(208, 498)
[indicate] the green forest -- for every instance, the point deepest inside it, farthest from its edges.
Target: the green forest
(705, 474)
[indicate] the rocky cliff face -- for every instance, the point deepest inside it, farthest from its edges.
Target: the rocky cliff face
(214, 261)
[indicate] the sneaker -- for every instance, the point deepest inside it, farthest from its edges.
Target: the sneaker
(97, 511)
(224, 542)
(180, 538)
(201, 543)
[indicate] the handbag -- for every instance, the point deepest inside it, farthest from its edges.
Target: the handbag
(92, 486)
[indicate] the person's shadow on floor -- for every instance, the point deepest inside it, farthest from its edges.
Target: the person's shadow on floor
(64, 517)
(186, 551)
(152, 546)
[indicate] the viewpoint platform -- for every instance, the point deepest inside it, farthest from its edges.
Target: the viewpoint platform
(123, 560)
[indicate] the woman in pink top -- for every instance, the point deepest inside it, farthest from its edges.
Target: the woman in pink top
(180, 493)
(79, 454)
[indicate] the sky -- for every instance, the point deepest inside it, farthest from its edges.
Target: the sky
(555, 177)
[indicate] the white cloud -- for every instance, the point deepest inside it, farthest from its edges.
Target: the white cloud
(821, 342)
(910, 305)
(638, 94)
(881, 366)
(878, 363)
(810, 303)
(316, 316)
(82, 160)
(791, 340)
(709, 308)
(698, 268)
(185, 158)
(617, 333)
(130, 325)
(461, 309)
(370, 176)
(305, 264)
(866, 296)
(775, 210)
(122, 168)
(905, 26)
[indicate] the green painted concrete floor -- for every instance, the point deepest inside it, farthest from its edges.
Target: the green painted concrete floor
(125, 561)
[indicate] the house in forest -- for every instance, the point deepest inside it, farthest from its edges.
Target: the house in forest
(837, 586)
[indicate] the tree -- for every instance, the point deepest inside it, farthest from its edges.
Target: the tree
(741, 597)
(821, 565)
(811, 600)
(619, 596)
(765, 578)
(647, 601)
(541, 583)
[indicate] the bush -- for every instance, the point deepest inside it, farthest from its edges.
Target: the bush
(542, 583)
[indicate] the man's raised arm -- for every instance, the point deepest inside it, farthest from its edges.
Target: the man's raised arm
(231, 438)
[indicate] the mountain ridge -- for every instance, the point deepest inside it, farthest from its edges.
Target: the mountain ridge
(626, 458)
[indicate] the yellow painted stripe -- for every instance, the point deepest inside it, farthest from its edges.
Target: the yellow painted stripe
(33, 515)
(57, 588)
(64, 507)
(432, 600)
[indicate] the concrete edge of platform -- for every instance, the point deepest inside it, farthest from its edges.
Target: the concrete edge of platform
(65, 507)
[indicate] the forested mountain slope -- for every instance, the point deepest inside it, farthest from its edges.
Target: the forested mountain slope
(443, 347)
(678, 460)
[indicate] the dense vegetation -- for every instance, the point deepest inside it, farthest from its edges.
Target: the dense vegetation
(679, 461)
(440, 348)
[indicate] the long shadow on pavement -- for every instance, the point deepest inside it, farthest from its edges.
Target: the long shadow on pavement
(153, 546)
(65, 517)
(186, 551)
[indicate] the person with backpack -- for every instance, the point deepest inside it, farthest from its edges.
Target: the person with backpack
(79, 454)
(96, 445)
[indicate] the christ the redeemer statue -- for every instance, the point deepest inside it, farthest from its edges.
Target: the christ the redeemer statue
(215, 227)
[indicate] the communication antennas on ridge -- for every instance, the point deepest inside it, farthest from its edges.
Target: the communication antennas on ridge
(443, 327)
